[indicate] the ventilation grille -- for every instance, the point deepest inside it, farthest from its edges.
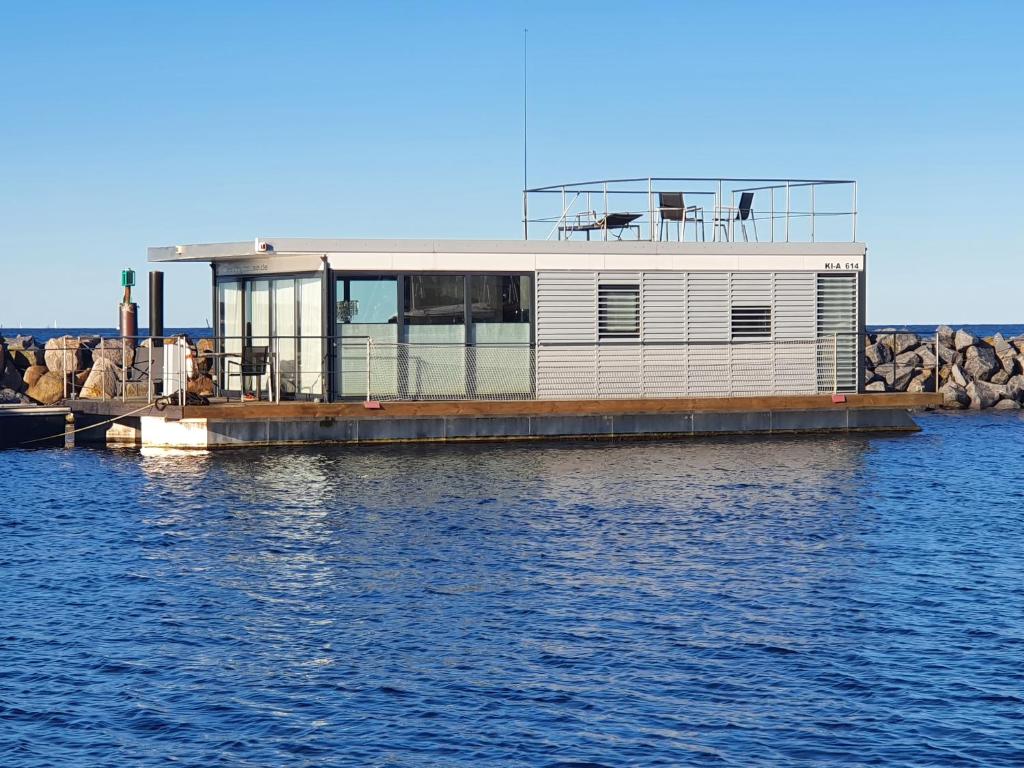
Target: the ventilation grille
(618, 311)
(751, 322)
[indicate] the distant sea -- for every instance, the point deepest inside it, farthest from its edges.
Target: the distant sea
(42, 334)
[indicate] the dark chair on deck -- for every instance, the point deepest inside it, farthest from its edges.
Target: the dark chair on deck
(744, 212)
(672, 207)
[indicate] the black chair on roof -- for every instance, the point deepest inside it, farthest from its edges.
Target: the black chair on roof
(744, 212)
(672, 207)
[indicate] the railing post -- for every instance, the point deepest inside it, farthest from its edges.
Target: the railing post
(812, 213)
(369, 341)
(787, 211)
(526, 219)
(605, 219)
(124, 372)
(650, 207)
(772, 191)
(937, 360)
(835, 363)
(718, 210)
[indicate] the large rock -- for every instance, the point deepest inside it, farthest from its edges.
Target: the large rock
(927, 356)
(1006, 352)
(201, 384)
(204, 349)
(10, 377)
(32, 374)
(954, 396)
(959, 375)
(9, 396)
(984, 395)
(949, 355)
(964, 339)
(899, 379)
(922, 382)
(946, 336)
(877, 354)
(1001, 345)
(1015, 388)
(875, 386)
(102, 382)
(20, 340)
(26, 357)
(48, 390)
(1007, 405)
(110, 349)
(1000, 377)
(910, 358)
(898, 342)
(65, 354)
(981, 362)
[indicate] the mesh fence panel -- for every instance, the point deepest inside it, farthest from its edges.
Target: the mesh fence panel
(605, 371)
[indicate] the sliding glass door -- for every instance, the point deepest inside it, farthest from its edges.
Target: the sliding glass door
(283, 314)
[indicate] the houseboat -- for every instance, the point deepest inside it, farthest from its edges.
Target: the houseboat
(666, 296)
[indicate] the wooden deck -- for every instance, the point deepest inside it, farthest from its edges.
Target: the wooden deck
(490, 408)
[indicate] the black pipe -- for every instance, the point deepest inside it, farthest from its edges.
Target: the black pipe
(156, 308)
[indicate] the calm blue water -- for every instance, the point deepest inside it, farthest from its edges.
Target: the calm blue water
(799, 602)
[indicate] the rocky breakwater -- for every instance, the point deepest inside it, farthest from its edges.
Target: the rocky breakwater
(971, 372)
(89, 368)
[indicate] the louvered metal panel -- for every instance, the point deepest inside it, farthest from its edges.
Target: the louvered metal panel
(836, 316)
(566, 307)
(663, 307)
(707, 306)
(794, 305)
(619, 371)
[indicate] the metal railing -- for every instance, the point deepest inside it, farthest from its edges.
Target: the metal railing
(361, 368)
(781, 210)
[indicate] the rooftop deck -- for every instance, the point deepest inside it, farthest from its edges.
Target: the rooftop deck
(694, 208)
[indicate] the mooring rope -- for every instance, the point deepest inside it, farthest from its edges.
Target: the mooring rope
(93, 426)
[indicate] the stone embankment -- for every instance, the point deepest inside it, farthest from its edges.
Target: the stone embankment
(972, 372)
(88, 368)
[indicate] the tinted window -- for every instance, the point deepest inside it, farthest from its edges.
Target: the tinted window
(435, 299)
(500, 298)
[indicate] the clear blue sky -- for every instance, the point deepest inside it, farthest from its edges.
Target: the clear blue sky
(127, 125)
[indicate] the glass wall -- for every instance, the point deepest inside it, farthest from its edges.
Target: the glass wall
(282, 313)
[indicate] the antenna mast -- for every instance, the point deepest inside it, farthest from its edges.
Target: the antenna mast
(526, 221)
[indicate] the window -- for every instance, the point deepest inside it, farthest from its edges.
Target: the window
(500, 298)
(367, 300)
(751, 322)
(618, 311)
(435, 299)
